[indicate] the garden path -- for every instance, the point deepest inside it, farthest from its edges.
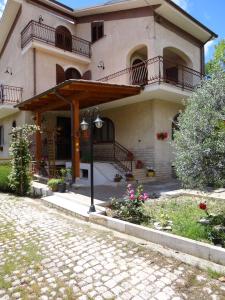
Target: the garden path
(47, 255)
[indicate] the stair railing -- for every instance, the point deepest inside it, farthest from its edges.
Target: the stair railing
(123, 157)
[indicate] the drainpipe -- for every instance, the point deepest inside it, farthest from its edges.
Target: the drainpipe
(34, 71)
(73, 141)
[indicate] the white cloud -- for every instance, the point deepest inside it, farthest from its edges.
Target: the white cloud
(208, 47)
(2, 6)
(182, 3)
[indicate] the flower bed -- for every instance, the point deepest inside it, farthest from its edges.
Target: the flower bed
(185, 216)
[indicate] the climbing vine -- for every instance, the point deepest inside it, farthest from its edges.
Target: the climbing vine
(19, 178)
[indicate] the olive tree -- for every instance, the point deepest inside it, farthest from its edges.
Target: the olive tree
(199, 143)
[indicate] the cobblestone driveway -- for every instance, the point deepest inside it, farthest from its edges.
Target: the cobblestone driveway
(46, 255)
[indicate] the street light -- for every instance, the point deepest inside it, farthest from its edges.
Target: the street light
(98, 123)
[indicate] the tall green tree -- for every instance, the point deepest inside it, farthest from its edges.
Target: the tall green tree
(218, 60)
(200, 141)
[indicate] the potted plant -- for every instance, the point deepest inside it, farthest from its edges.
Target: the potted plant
(62, 182)
(139, 164)
(118, 178)
(129, 176)
(53, 184)
(150, 172)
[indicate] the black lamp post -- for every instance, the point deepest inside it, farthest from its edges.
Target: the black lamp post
(93, 121)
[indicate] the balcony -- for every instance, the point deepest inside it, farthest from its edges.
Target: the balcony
(9, 96)
(157, 71)
(59, 38)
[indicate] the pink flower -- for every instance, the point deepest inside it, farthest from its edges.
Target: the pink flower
(146, 196)
(132, 197)
(141, 197)
(129, 186)
(131, 191)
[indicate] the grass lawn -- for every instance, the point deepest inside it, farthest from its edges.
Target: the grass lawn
(4, 173)
(184, 212)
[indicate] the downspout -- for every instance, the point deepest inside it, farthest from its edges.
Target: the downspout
(212, 37)
(34, 71)
(73, 141)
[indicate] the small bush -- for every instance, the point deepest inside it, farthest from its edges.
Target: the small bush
(131, 207)
(4, 181)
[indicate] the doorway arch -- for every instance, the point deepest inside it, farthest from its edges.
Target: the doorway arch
(72, 73)
(106, 134)
(139, 70)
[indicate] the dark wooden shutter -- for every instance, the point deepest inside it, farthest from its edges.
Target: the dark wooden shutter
(87, 75)
(60, 74)
(63, 38)
(97, 31)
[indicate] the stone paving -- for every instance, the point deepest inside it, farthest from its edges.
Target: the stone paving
(48, 255)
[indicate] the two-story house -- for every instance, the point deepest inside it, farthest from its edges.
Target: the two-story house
(137, 60)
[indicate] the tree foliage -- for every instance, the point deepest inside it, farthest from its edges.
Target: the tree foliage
(19, 178)
(218, 61)
(200, 142)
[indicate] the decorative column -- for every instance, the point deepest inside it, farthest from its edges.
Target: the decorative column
(75, 129)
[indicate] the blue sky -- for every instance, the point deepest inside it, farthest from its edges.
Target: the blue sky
(210, 13)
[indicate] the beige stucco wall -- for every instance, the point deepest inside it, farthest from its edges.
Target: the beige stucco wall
(123, 37)
(19, 117)
(164, 112)
(136, 128)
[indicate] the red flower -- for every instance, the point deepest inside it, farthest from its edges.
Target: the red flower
(203, 206)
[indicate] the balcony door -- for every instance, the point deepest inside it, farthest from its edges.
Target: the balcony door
(171, 74)
(63, 38)
(139, 73)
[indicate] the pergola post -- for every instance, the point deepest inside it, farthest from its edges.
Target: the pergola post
(75, 126)
(38, 143)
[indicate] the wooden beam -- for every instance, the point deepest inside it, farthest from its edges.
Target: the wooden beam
(38, 145)
(75, 126)
(53, 106)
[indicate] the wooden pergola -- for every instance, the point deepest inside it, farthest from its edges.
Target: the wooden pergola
(74, 95)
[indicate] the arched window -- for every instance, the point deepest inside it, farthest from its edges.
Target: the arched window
(63, 38)
(106, 134)
(72, 73)
(175, 124)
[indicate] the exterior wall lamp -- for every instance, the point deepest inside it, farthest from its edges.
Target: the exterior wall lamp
(8, 71)
(40, 20)
(93, 122)
(101, 65)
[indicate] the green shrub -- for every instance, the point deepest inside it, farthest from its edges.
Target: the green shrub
(4, 181)
(54, 182)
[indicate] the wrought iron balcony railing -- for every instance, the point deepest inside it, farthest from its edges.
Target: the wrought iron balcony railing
(10, 94)
(157, 70)
(35, 31)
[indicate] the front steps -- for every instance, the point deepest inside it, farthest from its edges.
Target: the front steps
(140, 176)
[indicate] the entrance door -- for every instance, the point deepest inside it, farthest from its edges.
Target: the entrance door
(63, 139)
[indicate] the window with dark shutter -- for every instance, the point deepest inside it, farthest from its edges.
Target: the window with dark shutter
(63, 38)
(97, 31)
(60, 74)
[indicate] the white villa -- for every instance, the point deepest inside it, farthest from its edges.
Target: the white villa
(135, 60)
